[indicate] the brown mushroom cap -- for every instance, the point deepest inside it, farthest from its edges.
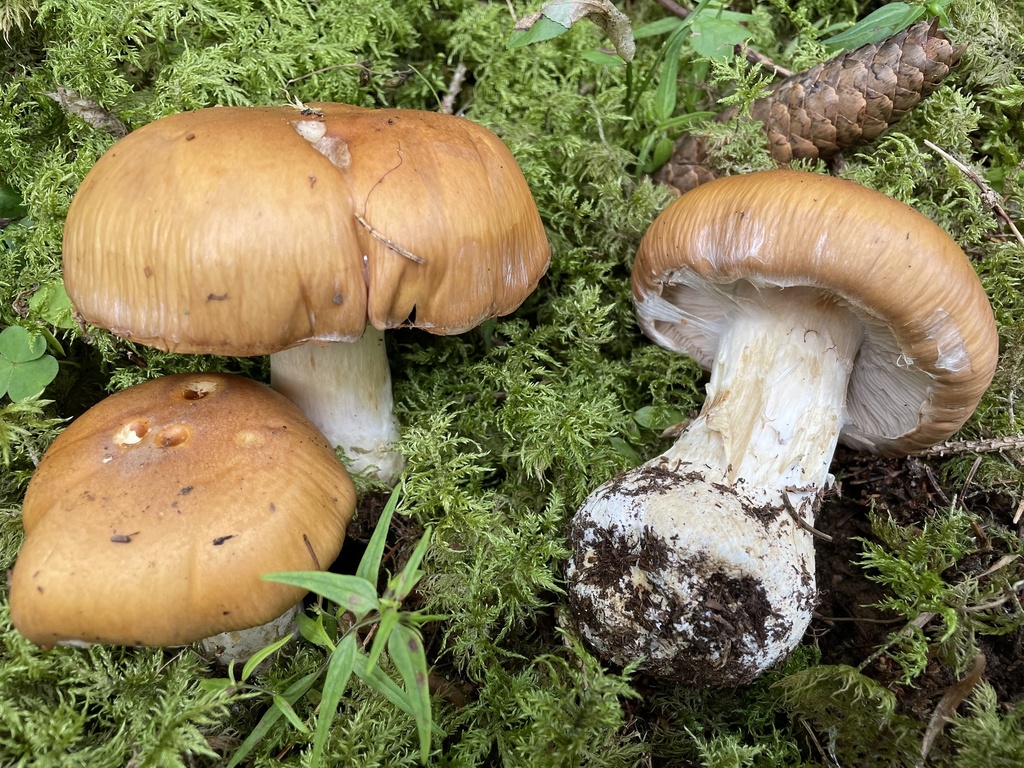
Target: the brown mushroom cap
(930, 344)
(244, 231)
(153, 515)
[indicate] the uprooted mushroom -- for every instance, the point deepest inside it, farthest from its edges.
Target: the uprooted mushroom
(825, 312)
(252, 231)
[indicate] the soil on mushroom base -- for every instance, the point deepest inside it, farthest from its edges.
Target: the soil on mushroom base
(730, 607)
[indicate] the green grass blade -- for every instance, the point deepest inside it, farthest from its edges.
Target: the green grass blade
(369, 564)
(352, 593)
(257, 658)
(406, 648)
(403, 583)
(286, 709)
(388, 621)
(339, 671)
(292, 694)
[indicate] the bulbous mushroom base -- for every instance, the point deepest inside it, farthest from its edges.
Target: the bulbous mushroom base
(706, 586)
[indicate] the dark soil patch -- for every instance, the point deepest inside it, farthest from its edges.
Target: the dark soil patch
(728, 608)
(846, 628)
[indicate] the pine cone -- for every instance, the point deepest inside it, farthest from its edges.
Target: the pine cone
(835, 105)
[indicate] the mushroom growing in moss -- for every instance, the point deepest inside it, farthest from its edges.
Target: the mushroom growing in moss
(153, 516)
(825, 312)
(253, 231)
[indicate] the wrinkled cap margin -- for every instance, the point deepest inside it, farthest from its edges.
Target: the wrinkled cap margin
(245, 231)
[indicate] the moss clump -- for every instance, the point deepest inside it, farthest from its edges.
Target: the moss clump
(507, 428)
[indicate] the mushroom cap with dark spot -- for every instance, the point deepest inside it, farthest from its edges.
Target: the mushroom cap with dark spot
(152, 517)
(245, 231)
(930, 344)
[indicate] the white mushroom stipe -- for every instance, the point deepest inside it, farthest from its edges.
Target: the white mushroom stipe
(825, 312)
(345, 390)
(339, 218)
(241, 645)
(693, 560)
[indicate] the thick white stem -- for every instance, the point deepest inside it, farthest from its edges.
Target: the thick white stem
(775, 401)
(345, 389)
(696, 560)
(242, 644)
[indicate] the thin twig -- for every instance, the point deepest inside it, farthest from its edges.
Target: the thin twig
(970, 476)
(393, 246)
(919, 622)
(988, 445)
(788, 504)
(454, 88)
(988, 195)
(1011, 595)
(947, 705)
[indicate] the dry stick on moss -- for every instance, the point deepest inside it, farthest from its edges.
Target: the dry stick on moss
(454, 89)
(988, 445)
(73, 103)
(835, 105)
(947, 705)
(988, 195)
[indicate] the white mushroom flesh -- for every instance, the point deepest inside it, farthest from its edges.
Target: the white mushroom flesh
(344, 388)
(696, 560)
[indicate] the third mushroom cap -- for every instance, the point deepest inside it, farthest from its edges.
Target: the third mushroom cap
(825, 312)
(252, 231)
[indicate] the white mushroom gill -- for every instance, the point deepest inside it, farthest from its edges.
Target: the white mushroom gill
(727, 583)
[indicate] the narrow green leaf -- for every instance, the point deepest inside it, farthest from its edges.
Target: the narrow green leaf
(681, 120)
(404, 582)
(388, 621)
(384, 685)
(665, 95)
(660, 27)
(879, 24)
(369, 564)
(286, 709)
(292, 694)
(353, 593)
(406, 648)
(257, 658)
(216, 684)
(339, 671)
(543, 29)
(602, 58)
(313, 631)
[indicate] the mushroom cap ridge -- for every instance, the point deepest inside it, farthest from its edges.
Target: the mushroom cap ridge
(153, 515)
(245, 231)
(930, 342)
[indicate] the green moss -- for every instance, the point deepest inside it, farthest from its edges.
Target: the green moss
(507, 428)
